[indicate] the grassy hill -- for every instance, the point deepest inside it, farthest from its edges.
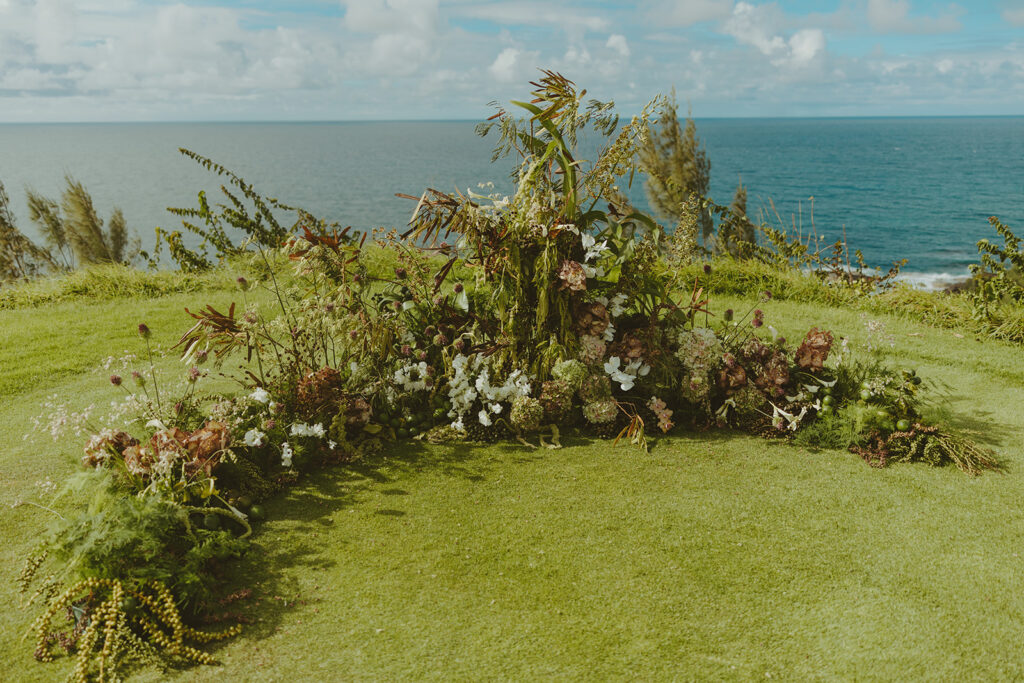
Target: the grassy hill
(714, 556)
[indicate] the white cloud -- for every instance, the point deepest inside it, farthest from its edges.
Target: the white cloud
(806, 44)
(135, 59)
(1014, 15)
(751, 25)
(689, 12)
(405, 35)
(893, 16)
(534, 14)
(504, 68)
(618, 42)
(759, 26)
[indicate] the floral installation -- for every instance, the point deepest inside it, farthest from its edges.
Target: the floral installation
(522, 318)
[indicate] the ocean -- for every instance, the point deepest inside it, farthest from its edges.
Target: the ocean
(914, 188)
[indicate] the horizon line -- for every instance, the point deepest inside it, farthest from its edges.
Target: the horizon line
(473, 120)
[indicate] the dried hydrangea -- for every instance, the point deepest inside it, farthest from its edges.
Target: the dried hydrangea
(696, 388)
(556, 399)
(592, 349)
(814, 349)
(595, 388)
(699, 350)
(527, 414)
(573, 276)
(592, 319)
(105, 444)
(572, 372)
(601, 412)
(749, 402)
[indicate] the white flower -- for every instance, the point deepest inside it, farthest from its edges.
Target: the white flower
(260, 395)
(778, 415)
(286, 455)
(254, 437)
(617, 307)
(484, 418)
(593, 249)
(332, 444)
(303, 429)
(609, 332)
(625, 376)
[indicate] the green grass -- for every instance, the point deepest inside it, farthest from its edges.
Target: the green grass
(730, 277)
(716, 556)
(106, 282)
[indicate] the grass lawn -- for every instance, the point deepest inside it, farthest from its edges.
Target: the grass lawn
(714, 556)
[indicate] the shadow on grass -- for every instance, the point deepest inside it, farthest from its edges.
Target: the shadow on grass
(980, 425)
(270, 567)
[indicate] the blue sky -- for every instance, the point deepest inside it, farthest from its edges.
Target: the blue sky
(134, 60)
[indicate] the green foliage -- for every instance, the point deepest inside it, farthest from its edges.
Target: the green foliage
(527, 248)
(247, 214)
(997, 292)
(677, 167)
(20, 258)
(75, 230)
(113, 281)
(137, 539)
(737, 235)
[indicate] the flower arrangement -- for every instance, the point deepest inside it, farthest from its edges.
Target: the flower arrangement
(496, 317)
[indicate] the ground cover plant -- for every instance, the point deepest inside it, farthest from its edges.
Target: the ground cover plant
(544, 313)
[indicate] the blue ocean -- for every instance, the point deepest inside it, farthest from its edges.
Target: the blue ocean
(914, 188)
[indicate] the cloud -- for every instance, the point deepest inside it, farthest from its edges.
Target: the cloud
(618, 42)
(755, 25)
(504, 68)
(688, 12)
(405, 35)
(145, 60)
(1014, 15)
(534, 14)
(893, 16)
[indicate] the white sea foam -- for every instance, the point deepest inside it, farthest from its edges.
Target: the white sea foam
(933, 281)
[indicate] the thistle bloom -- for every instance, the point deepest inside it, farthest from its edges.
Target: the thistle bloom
(115, 380)
(144, 331)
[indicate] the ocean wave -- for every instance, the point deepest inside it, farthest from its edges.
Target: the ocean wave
(933, 281)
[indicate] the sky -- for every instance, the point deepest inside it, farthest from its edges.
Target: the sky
(316, 60)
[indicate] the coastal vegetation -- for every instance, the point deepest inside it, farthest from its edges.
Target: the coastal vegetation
(557, 386)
